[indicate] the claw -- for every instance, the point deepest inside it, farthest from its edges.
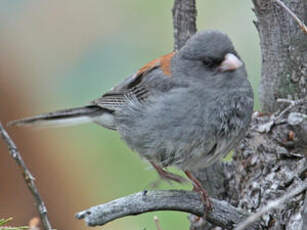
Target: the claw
(197, 187)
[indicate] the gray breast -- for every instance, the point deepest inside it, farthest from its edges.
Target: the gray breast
(232, 120)
(193, 135)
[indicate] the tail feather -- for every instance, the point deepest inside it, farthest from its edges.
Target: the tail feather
(65, 117)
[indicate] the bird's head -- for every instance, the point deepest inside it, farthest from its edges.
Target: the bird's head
(213, 49)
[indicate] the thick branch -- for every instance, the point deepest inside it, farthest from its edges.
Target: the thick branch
(223, 214)
(29, 179)
(284, 51)
(184, 21)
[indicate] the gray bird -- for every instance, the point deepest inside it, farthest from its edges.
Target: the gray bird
(185, 109)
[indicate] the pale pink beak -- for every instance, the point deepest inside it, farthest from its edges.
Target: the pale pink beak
(231, 62)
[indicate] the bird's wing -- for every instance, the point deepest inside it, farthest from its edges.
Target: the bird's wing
(134, 87)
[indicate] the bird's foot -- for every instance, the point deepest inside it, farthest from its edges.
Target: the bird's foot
(197, 187)
(205, 198)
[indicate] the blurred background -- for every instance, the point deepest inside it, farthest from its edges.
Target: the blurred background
(56, 54)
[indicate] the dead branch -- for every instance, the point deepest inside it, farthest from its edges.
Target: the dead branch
(223, 214)
(29, 179)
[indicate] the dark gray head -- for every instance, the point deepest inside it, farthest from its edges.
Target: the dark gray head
(208, 44)
(213, 48)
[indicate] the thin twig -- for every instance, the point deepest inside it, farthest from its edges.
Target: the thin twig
(29, 179)
(157, 223)
(222, 214)
(272, 205)
(300, 22)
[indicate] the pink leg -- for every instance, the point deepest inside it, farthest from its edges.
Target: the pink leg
(167, 175)
(197, 187)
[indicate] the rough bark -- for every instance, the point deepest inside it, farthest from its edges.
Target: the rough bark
(222, 214)
(268, 166)
(284, 52)
(184, 21)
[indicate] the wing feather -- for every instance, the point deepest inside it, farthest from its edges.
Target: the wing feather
(133, 88)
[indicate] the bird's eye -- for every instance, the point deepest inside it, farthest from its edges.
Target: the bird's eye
(211, 63)
(207, 62)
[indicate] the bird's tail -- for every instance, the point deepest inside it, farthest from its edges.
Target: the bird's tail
(69, 117)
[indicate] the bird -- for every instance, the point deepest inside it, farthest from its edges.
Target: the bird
(186, 109)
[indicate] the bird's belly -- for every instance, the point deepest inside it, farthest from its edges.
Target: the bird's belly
(187, 137)
(218, 151)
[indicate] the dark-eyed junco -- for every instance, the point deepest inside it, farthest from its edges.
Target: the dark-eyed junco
(185, 109)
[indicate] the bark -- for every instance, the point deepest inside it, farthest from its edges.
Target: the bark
(268, 166)
(284, 52)
(222, 214)
(184, 21)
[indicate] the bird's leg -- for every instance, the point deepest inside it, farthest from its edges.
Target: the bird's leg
(168, 176)
(197, 187)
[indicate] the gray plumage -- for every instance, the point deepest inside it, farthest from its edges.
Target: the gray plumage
(189, 119)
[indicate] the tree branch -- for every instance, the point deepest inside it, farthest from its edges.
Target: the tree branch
(29, 179)
(223, 214)
(184, 21)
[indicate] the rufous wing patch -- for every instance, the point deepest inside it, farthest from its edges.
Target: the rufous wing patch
(164, 62)
(149, 66)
